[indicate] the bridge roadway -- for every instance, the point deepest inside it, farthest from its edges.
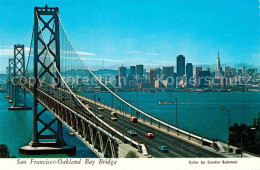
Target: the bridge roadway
(177, 147)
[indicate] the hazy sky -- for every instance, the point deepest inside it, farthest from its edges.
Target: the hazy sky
(150, 32)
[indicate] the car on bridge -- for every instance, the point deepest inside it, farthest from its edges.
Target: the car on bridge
(101, 109)
(101, 116)
(90, 108)
(132, 132)
(133, 119)
(113, 118)
(149, 135)
(163, 148)
(113, 113)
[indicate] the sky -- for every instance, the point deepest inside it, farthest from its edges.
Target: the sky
(149, 32)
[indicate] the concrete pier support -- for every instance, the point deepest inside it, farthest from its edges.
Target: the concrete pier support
(47, 148)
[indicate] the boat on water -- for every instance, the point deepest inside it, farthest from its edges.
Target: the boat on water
(164, 102)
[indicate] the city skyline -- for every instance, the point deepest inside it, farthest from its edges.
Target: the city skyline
(113, 35)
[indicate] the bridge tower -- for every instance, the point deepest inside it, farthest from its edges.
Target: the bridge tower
(10, 77)
(18, 92)
(52, 129)
(7, 86)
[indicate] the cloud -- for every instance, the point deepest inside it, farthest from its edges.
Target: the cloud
(5, 46)
(85, 53)
(151, 54)
(127, 60)
(134, 52)
(141, 52)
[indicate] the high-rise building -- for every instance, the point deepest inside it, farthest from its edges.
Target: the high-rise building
(168, 75)
(158, 83)
(252, 71)
(140, 71)
(132, 72)
(244, 70)
(180, 65)
(152, 77)
(239, 72)
(197, 70)
(227, 71)
(218, 71)
(189, 74)
(158, 72)
(122, 77)
(233, 72)
(204, 78)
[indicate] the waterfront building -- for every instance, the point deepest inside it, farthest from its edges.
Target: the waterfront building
(169, 76)
(197, 70)
(189, 74)
(252, 71)
(227, 71)
(132, 72)
(122, 77)
(204, 78)
(180, 65)
(218, 71)
(140, 71)
(239, 72)
(244, 70)
(152, 78)
(233, 72)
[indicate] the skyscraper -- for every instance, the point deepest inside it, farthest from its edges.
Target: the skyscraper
(158, 72)
(244, 70)
(239, 72)
(132, 72)
(233, 72)
(140, 71)
(203, 78)
(218, 71)
(180, 65)
(227, 71)
(198, 69)
(189, 74)
(168, 75)
(122, 77)
(152, 77)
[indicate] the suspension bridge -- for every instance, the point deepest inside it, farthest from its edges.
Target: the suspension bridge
(86, 109)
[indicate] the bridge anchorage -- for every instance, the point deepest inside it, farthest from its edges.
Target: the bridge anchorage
(18, 91)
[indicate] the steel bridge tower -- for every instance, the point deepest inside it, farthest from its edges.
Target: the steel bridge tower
(18, 92)
(7, 86)
(52, 129)
(10, 77)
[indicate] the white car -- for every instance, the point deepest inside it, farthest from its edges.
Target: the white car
(114, 118)
(101, 109)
